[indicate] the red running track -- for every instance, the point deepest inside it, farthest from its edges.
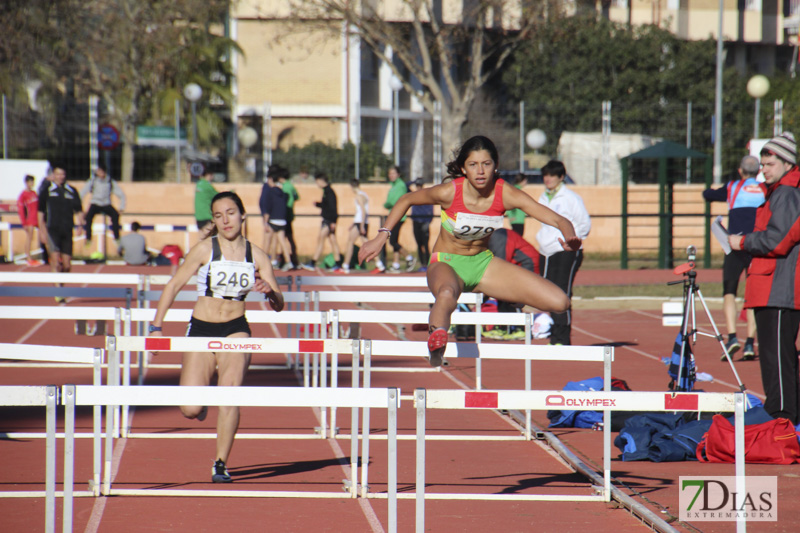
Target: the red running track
(320, 465)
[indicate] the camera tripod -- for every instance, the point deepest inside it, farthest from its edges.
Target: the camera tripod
(691, 292)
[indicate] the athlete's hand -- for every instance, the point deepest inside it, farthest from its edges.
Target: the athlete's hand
(155, 334)
(275, 300)
(573, 244)
(372, 247)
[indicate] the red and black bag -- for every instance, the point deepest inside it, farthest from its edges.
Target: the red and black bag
(772, 442)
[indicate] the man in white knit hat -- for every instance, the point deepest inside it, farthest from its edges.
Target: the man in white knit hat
(773, 286)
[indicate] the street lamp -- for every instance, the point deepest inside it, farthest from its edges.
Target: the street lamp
(535, 139)
(395, 85)
(757, 87)
(247, 137)
(193, 93)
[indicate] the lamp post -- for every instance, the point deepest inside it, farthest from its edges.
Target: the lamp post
(193, 93)
(757, 87)
(395, 85)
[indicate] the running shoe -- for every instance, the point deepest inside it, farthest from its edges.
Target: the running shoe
(337, 270)
(412, 262)
(308, 266)
(422, 269)
(287, 267)
(732, 346)
(219, 472)
(749, 352)
(494, 333)
(203, 414)
(437, 342)
(60, 300)
(34, 263)
(516, 335)
(377, 270)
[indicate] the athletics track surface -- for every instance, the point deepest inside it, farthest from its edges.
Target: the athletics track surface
(516, 467)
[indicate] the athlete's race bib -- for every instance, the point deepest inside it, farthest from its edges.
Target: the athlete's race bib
(231, 279)
(472, 227)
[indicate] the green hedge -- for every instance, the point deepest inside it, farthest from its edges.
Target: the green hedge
(337, 162)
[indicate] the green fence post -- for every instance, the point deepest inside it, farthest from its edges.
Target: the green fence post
(662, 213)
(623, 255)
(707, 236)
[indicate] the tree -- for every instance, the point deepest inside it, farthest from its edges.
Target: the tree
(439, 56)
(648, 73)
(129, 53)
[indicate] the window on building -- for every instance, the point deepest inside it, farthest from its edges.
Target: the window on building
(752, 5)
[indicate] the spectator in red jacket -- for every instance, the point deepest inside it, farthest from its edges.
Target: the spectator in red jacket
(28, 209)
(510, 245)
(773, 286)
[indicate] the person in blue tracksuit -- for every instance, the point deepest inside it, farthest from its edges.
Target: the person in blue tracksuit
(744, 196)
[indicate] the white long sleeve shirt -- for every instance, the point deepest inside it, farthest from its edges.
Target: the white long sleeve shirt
(570, 206)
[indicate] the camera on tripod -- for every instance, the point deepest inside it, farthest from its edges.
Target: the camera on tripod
(682, 371)
(688, 267)
(691, 253)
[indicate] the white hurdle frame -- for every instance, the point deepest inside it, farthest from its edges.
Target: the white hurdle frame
(306, 318)
(379, 316)
(40, 396)
(72, 357)
(544, 400)
(134, 280)
(388, 398)
(523, 352)
(251, 345)
(388, 280)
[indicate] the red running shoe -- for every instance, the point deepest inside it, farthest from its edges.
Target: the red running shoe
(437, 342)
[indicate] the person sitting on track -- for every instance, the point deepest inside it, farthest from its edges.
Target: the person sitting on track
(473, 203)
(228, 266)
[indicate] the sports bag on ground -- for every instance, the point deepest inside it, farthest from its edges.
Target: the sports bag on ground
(770, 442)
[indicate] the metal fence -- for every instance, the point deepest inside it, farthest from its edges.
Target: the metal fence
(29, 134)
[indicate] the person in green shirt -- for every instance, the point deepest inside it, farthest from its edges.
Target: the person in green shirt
(291, 197)
(203, 194)
(516, 217)
(397, 190)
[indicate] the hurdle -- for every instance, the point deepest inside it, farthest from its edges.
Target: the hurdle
(421, 317)
(388, 280)
(388, 398)
(120, 317)
(68, 292)
(74, 357)
(306, 318)
(468, 350)
(249, 345)
(71, 277)
(39, 396)
(545, 400)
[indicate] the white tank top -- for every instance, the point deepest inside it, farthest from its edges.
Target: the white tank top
(361, 214)
(231, 280)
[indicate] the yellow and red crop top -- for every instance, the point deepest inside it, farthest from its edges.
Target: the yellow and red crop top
(464, 224)
(231, 280)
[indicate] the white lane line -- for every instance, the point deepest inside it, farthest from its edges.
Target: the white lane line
(657, 358)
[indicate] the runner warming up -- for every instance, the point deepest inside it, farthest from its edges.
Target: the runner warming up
(473, 201)
(228, 267)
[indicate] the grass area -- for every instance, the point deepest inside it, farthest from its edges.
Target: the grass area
(658, 290)
(598, 261)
